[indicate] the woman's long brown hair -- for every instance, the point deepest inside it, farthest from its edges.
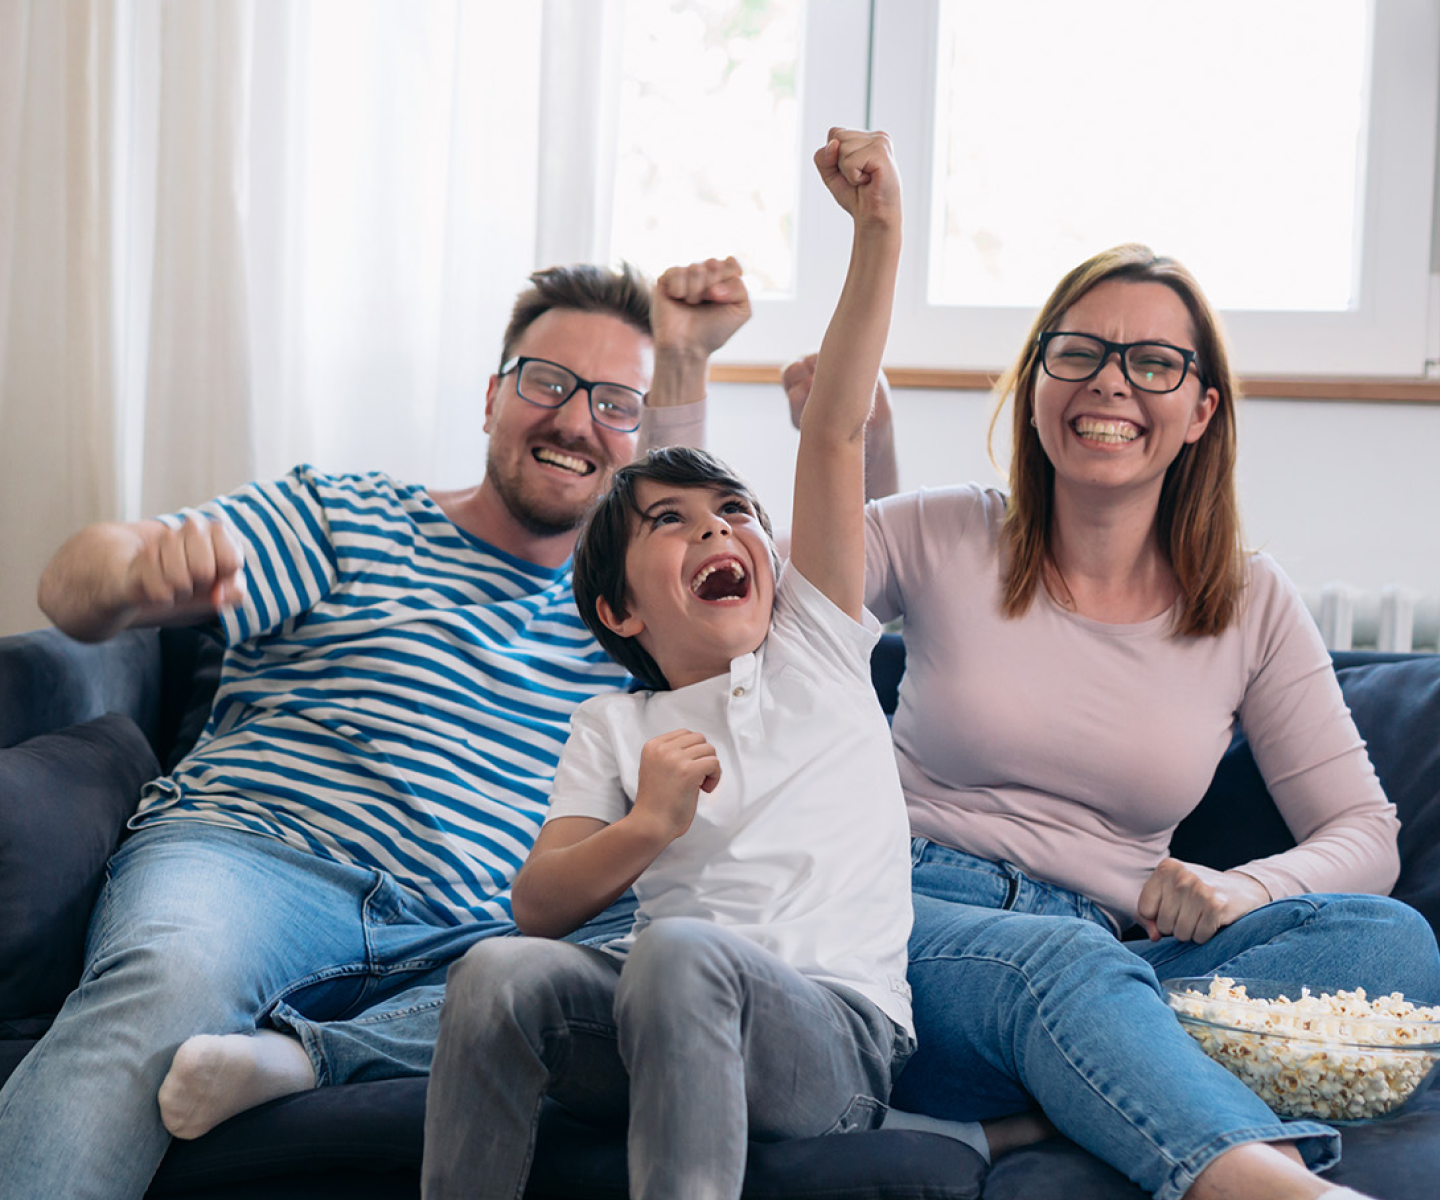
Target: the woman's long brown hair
(1198, 523)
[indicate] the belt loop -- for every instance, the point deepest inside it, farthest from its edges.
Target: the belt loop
(1012, 884)
(917, 850)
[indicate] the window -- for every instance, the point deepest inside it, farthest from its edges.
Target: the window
(708, 150)
(1286, 151)
(1204, 139)
(1355, 304)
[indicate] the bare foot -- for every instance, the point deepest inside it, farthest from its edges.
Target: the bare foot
(213, 1077)
(1264, 1171)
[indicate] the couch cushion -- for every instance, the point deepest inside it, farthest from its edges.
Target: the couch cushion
(379, 1126)
(1396, 706)
(64, 801)
(574, 1161)
(375, 1126)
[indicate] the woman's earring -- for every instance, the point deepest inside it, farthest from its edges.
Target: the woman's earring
(1033, 423)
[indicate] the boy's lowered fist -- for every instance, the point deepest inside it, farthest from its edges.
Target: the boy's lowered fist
(674, 769)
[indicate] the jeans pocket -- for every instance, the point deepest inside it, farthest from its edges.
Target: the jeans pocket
(385, 902)
(862, 1113)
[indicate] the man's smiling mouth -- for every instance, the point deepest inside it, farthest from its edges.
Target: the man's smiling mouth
(723, 580)
(565, 462)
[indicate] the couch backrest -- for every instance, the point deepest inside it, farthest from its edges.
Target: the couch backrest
(49, 682)
(163, 680)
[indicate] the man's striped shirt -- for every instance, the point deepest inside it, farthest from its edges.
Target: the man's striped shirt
(395, 693)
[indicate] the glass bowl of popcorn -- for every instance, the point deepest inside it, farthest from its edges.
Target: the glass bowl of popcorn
(1335, 1056)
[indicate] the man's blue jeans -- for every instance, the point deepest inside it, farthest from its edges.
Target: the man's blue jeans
(1023, 994)
(200, 929)
(702, 1040)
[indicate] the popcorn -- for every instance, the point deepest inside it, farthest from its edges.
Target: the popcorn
(1340, 1057)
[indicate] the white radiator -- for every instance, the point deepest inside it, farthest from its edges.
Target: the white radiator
(1394, 618)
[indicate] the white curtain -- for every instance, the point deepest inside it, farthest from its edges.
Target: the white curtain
(58, 462)
(240, 234)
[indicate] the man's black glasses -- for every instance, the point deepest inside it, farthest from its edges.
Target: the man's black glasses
(549, 385)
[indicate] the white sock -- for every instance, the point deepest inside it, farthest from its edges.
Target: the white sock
(1342, 1193)
(968, 1132)
(213, 1077)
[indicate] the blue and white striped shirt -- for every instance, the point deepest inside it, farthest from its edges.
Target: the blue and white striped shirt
(395, 692)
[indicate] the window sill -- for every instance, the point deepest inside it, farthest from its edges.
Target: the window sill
(1399, 390)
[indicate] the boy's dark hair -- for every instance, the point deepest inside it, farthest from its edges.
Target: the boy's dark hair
(623, 292)
(599, 566)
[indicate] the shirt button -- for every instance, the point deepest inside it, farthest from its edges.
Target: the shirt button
(739, 691)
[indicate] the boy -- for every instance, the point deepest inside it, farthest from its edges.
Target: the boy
(763, 991)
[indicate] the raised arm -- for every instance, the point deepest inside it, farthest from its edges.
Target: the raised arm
(111, 576)
(827, 543)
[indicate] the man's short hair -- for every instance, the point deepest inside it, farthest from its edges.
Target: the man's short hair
(622, 292)
(609, 527)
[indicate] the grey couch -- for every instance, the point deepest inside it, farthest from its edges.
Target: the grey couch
(82, 727)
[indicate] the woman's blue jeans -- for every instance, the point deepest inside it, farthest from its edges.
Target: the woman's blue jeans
(1024, 995)
(200, 929)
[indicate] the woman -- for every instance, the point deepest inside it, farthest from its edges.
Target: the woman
(1078, 652)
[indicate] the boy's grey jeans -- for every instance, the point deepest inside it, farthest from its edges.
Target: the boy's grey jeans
(700, 1037)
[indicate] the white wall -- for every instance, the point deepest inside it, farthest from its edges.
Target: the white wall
(1337, 492)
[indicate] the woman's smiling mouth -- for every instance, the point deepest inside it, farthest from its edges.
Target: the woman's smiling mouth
(1115, 431)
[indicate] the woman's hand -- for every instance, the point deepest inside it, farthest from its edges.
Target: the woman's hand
(1191, 902)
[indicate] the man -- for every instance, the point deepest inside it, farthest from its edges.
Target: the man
(399, 674)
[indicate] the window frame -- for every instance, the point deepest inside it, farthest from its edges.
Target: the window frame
(861, 63)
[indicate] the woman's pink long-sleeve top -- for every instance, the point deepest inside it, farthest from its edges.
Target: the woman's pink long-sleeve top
(1072, 748)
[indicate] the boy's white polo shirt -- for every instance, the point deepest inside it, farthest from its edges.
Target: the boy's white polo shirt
(803, 846)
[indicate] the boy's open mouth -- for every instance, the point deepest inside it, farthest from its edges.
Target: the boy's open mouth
(721, 579)
(566, 462)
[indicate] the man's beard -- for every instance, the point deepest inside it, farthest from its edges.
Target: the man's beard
(535, 514)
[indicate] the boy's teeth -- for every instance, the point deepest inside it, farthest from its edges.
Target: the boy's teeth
(705, 572)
